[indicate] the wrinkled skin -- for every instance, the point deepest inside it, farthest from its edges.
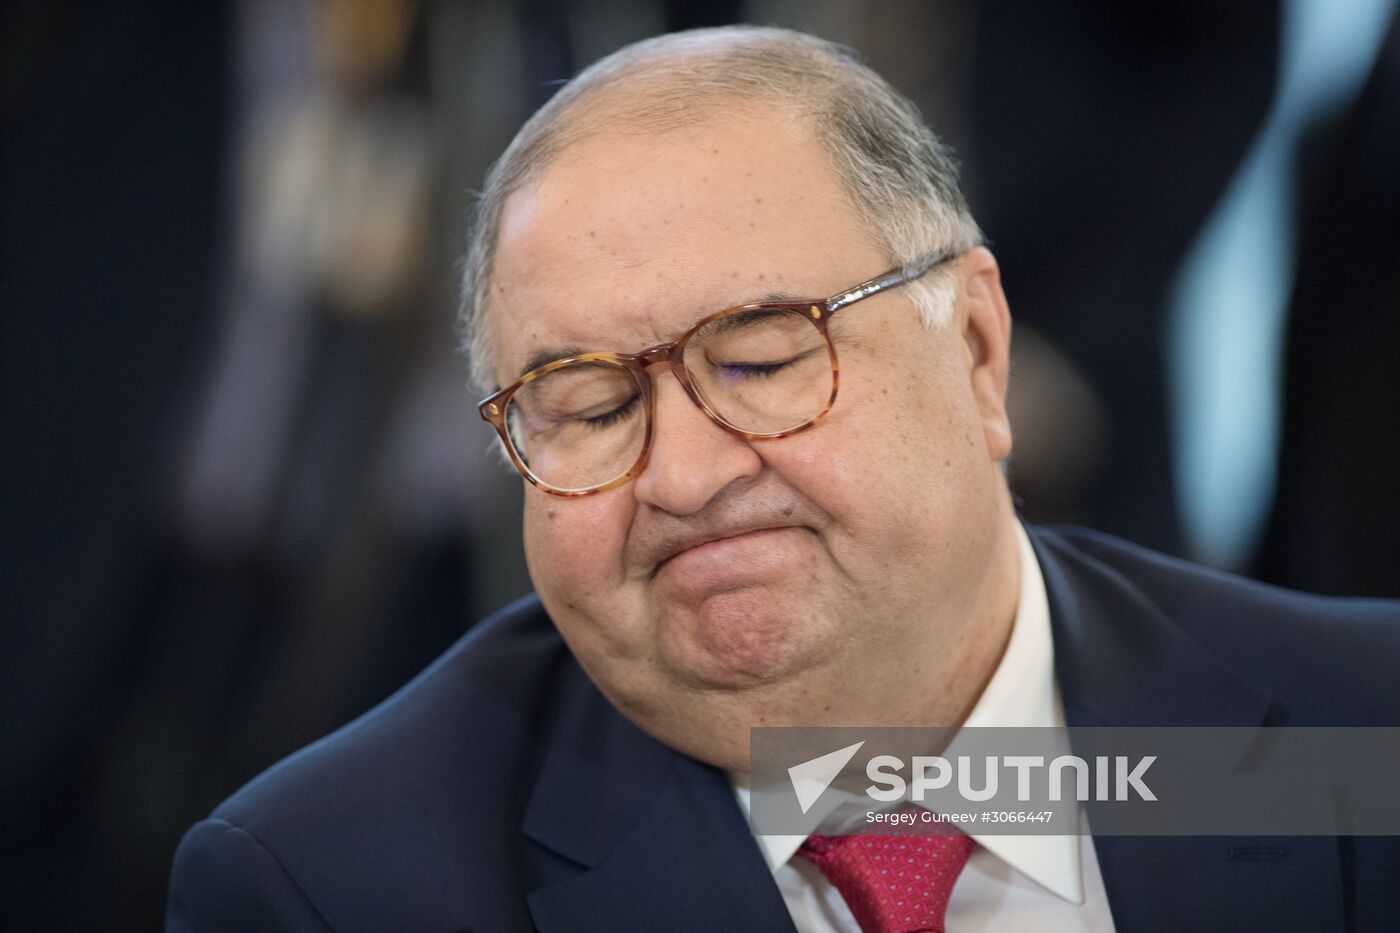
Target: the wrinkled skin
(861, 572)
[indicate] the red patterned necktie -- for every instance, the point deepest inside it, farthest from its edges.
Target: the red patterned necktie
(892, 884)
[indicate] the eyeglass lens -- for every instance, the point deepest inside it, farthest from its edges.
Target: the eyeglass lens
(763, 371)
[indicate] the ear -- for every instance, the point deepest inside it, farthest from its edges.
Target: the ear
(986, 322)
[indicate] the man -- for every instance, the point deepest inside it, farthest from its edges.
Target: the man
(752, 360)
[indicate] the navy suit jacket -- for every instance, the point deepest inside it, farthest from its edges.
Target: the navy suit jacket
(499, 791)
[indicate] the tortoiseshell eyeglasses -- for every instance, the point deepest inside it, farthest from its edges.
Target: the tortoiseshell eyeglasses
(583, 424)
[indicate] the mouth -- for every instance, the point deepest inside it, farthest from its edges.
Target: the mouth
(719, 543)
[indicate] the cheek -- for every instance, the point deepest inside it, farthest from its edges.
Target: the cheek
(896, 462)
(574, 550)
(574, 547)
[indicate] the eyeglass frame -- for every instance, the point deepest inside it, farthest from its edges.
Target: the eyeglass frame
(493, 407)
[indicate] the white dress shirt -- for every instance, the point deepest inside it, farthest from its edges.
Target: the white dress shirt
(1011, 883)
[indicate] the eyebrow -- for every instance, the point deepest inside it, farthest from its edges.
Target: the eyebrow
(548, 356)
(542, 357)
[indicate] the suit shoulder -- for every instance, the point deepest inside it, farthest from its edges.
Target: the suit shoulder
(478, 691)
(1330, 654)
(225, 879)
(462, 732)
(1179, 581)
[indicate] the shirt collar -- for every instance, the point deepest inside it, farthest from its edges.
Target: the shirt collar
(1022, 692)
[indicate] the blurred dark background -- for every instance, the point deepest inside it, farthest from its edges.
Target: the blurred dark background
(245, 492)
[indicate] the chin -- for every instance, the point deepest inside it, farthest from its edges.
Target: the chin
(741, 640)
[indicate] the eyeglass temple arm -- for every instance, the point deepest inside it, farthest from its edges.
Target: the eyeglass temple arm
(891, 279)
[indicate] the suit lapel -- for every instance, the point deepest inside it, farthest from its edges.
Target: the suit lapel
(658, 838)
(1120, 661)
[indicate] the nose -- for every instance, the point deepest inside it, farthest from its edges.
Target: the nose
(692, 458)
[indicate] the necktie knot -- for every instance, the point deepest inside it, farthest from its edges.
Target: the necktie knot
(892, 884)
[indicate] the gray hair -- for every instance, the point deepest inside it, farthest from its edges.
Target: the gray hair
(896, 171)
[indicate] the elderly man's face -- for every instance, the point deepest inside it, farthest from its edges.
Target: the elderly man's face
(736, 583)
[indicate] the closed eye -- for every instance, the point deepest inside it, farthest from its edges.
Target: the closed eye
(760, 370)
(752, 370)
(609, 418)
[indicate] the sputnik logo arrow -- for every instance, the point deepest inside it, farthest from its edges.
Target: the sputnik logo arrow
(811, 778)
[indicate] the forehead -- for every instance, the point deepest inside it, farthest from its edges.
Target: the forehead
(627, 238)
